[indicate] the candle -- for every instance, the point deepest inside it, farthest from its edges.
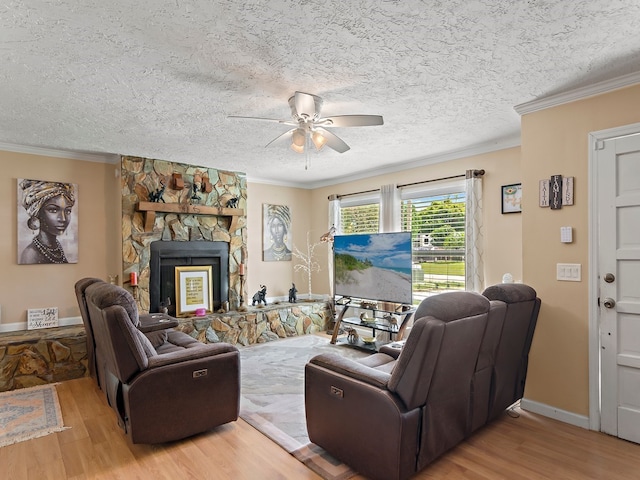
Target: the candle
(133, 277)
(241, 269)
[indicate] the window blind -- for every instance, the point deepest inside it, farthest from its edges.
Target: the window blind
(437, 225)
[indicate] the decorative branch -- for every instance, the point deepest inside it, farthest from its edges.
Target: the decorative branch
(308, 265)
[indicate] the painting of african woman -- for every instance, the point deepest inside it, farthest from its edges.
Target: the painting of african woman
(276, 226)
(47, 222)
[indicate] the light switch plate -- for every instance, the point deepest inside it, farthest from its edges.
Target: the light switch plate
(569, 272)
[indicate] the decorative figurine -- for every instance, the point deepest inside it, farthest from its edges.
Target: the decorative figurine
(156, 195)
(195, 198)
(292, 293)
(164, 306)
(260, 296)
(352, 335)
(232, 202)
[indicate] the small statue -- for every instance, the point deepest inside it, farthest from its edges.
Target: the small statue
(195, 198)
(260, 296)
(292, 293)
(232, 202)
(164, 306)
(352, 335)
(156, 195)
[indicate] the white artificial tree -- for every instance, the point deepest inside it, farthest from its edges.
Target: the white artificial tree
(307, 264)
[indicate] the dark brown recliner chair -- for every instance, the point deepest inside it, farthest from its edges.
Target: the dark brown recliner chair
(164, 392)
(80, 287)
(155, 331)
(512, 353)
(390, 418)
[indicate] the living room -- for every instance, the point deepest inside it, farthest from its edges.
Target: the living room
(554, 139)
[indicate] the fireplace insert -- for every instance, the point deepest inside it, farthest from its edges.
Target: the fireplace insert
(165, 256)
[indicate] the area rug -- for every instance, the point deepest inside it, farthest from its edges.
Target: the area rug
(29, 413)
(272, 398)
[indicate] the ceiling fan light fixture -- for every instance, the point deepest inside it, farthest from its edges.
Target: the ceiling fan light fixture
(298, 139)
(318, 139)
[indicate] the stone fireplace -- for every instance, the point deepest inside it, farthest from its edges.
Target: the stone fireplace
(197, 218)
(206, 230)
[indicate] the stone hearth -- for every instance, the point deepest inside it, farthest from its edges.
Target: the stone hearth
(36, 357)
(259, 325)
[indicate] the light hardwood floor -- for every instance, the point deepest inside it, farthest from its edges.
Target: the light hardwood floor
(527, 447)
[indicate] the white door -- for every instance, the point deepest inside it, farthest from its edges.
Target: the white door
(617, 171)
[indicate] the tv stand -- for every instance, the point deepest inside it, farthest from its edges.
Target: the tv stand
(377, 323)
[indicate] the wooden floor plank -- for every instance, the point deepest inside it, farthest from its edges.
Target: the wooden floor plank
(530, 447)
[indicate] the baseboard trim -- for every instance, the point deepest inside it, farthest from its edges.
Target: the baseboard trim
(18, 326)
(555, 413)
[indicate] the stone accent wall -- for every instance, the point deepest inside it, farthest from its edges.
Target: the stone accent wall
(142, 176)
(259, 325)
(37, 357)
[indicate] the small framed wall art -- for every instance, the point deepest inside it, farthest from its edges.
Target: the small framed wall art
(512, 198)
(194, 291)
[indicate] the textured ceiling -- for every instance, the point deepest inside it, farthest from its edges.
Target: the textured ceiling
(158, 78)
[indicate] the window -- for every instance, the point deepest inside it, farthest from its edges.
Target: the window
(360, 214)
(436, 220)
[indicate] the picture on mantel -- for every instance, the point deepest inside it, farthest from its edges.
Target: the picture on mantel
(47, 222)
(276, 233)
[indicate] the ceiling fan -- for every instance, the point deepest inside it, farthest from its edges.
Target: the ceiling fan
(310, 128)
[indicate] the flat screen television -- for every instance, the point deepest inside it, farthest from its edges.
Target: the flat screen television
(373, 266)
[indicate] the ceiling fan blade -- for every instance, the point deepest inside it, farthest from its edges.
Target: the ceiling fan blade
(352, 121)
(305, 104)
(333, 141)
(282, 137)
(275, 120)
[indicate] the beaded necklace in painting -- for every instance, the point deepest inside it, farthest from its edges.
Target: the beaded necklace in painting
(54, 255)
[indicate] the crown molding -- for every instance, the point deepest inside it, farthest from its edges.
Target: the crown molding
(479, 149)
(578, 94)
(51, 152)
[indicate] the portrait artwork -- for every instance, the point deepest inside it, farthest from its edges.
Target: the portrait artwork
(47, 222)
(276, 227)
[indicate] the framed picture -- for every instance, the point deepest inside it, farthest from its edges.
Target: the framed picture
(276, 236)
(47, 222)
(193, 290)
(512, 198)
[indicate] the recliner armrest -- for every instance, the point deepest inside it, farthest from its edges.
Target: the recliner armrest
(156, 321)
(206, 350)
(351, 368)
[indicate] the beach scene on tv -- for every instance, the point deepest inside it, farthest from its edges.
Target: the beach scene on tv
(374, 266)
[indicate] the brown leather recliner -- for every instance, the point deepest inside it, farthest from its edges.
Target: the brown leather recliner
(80, 287)
(155, 331)
(389, 418)
(163, 392)
(512, 353)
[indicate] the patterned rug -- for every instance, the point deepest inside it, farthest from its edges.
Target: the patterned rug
(29, 413)
(272, 401)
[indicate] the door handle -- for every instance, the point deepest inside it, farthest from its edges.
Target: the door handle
(609, 302)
